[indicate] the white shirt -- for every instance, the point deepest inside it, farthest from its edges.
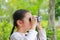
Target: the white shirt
(32, 35)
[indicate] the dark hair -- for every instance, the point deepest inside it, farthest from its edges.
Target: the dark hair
(18, 15)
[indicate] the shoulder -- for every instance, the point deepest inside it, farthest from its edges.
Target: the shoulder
(15, 35)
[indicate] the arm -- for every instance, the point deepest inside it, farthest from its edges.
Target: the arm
(42, 32)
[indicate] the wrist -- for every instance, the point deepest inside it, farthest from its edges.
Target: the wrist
(39, 28)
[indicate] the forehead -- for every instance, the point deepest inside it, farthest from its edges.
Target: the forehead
(28, 14)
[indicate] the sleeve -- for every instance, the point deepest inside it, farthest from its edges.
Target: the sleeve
(42, 34)
(30, 36)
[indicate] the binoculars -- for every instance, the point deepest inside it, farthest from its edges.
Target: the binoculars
(39, 18)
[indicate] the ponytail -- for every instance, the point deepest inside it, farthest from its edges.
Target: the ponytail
(12, 30)
(14, 24)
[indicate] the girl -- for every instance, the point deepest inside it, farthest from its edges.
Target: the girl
(26, 25)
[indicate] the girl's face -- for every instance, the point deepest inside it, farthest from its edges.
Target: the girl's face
(27, 21)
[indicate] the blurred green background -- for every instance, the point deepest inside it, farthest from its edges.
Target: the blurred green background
(8, 7)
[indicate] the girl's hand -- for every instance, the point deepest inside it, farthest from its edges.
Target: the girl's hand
(33, 23)
(39, 26)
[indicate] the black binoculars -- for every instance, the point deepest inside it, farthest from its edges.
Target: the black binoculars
(38, 19)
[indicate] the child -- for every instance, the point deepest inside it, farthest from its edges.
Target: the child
(26, 25)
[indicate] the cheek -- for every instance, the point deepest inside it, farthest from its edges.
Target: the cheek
(28, 25)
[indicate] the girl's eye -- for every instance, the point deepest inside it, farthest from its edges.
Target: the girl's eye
(30, 19)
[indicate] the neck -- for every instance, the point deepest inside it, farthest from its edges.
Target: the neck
(21, 30)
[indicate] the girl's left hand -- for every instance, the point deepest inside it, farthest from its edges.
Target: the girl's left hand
(39, 26)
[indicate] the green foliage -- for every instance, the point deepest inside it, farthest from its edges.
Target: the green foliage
(44, 23)
(44, 16)
(57, 8)
(5, 29)
(58, 33)
(49, 33)
(7, 9)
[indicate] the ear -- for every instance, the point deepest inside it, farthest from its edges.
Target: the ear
(19, 23)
